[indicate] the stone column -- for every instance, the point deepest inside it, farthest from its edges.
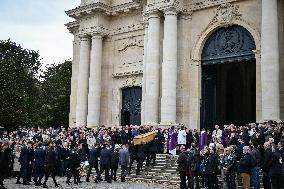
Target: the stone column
(144, 76)
(152, 70)
(83, 82)
(169, 69)
(94, 98)
(270, 61)
(74, 81)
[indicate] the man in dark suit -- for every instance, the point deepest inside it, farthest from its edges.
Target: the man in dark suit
(50, 165)
(25, 161)
(105, 161)
(93, 162)
(39, 159)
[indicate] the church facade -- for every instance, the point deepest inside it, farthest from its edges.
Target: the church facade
(169, 62)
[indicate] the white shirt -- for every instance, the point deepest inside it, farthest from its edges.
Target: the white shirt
(182, 137)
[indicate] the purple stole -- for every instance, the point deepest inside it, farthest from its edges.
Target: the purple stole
(203, 140)
(172, 138)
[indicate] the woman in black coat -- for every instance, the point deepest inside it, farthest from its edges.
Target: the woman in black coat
(275, 169)
(4, 166)
(212, 169)
(114, 164)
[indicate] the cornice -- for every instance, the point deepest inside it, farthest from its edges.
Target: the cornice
(73, 27)
(164, 5)
(127, 7)
(101, 30)
(204, 4)
(90, 9)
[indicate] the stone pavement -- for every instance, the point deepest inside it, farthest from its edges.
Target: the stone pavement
(10, 184)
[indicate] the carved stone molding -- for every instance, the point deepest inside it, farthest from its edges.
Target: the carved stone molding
(92, 8)
(131, 42)
(93, 30)
(123, 74)
(225, 14)
(127, 29)
(89, 9)
(203, 4)
(73, 27)
(128, 54)
(223, 18)
(131, 81)
(164, 5)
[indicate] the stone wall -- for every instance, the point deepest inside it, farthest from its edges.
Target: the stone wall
(122, 24)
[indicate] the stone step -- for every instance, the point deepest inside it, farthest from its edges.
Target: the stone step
(159, 166)
(164, 172)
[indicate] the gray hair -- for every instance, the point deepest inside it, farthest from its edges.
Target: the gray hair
(246, 149)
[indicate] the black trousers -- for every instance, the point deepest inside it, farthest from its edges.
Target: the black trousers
(113, 173)
(105, 168)
(213, 181)
(76, 175)
(194, 180)
(50, 171)
(276, 182)
(91, 166)
(151, 157)
(182, 175)
(266, 181)
(38, 174)
(1, 179)
(230, 179)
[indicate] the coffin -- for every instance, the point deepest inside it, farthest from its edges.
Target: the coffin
(145, 138)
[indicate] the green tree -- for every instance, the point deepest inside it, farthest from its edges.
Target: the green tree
(19, 86)
(55, 95)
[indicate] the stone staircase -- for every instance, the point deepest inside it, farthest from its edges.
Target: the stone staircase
(164, 172)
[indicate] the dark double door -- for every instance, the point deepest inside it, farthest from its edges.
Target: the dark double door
(228, 94)
(131, 106)
(228, 78)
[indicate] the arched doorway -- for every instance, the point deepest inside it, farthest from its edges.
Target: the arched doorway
(228, 78)
(131, 106)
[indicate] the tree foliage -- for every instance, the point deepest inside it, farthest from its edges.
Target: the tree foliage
(55, 95)
(26, 99)
(19, 85)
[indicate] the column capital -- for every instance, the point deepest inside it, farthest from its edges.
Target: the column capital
(84, 37)
(154, 14)
(170, 11)
(97, 36)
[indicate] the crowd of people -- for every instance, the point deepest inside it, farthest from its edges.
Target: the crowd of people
(247, 151)
(32, 155)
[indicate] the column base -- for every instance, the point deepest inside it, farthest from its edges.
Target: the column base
(169, 125)
(269, 120)
(92, 126)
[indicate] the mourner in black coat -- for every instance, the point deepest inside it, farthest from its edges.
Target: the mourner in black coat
(39, 159)
(4, 166)
(275, 170)
(114, 164)
(105, 161)
(182, 167)
(93, 162)
(74, 165)
(50, 165)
